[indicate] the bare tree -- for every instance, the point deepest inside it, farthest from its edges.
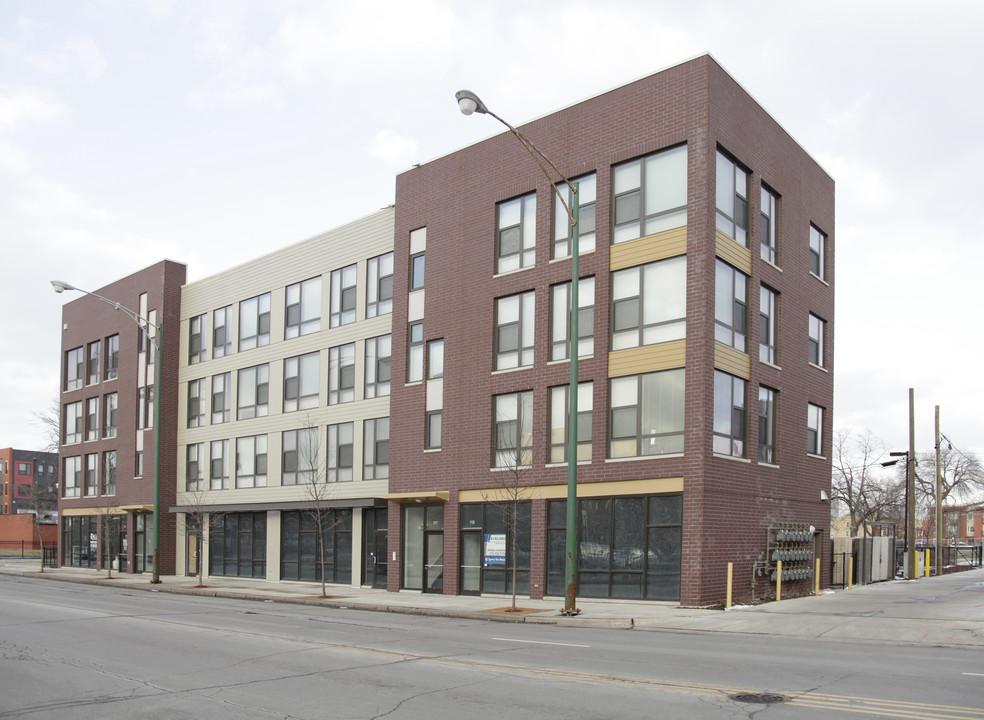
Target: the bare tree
(200, 518)
(49, 422)
(961, 475)
(42, 501)
(858, 482)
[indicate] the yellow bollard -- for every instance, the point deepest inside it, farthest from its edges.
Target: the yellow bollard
(779, 580)
(850, 573)
(727, 603)
(927, 563)
(816, 576)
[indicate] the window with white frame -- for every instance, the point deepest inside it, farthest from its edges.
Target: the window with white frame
(222, 332)
(769, 247)
(417, 271)
(302, 377)
(72, 478)
(91, 486)
(341, 441)
(560, 397)
(816, 329)
(732, 199)
(253, 392)
(514, 331)
(767, 425)
(196, 339)
(375, 442)
(92, 418)
(73, 423)
(646, 414)
(649, 303)
(73, 368)
(341, 374)
(587, 193)
(818, 251)
(730, 306)
(560, 319)
(109, 473)
(219, 465)
(251, 461)
(343, 296)
(649, 195)
(378, 356)
(513, 430)
(516, 234)
(196, 403)
(434, 429)
(814, 429)
(194, 467)
(300, 456)
(92, 363)
(302, 315)
(415, 352)
(254, 322)
(379, 285)
(110, 408)
(729, 414)
(112, 357)
(435, 359)
(221, 398)
(768, 307)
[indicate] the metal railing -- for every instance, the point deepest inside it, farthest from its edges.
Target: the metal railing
(21, 548)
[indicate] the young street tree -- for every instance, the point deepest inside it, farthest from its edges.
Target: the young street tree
(43, 498)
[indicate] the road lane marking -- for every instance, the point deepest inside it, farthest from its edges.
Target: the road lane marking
(540, 642)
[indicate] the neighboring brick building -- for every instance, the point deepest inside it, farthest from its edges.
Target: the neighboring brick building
(107, 422)
(20, 470)
(707, 291)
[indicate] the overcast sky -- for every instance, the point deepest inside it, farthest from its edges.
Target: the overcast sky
(214, 132)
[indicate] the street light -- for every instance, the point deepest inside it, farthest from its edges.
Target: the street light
(468, 103)
(158, 340)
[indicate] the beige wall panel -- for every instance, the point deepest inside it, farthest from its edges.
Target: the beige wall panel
(729, 360)
(733, 253)
(647, 249)
(649, 358)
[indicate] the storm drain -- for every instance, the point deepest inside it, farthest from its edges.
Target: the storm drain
(762, 698)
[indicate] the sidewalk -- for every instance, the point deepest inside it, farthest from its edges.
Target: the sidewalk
(945, 611)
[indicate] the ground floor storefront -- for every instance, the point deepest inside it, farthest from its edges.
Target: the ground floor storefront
(119, 539)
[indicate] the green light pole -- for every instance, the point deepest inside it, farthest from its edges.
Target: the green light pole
(468, 103)
(158, 341)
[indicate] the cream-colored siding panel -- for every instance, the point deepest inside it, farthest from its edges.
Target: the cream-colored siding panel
(418, 240)
(415, 306)
(732, 361)
(435, 394)
(649, 248)
(648, 358)
(733, 253)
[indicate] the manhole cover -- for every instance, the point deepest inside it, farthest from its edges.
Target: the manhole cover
(763, 698)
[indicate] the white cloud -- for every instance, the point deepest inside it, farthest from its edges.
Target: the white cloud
(27, 107)
(390, 147)
(76, 53)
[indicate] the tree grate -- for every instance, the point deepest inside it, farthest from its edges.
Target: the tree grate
(763, 698)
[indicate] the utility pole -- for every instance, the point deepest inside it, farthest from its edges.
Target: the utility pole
(910, 472)
(939, 505)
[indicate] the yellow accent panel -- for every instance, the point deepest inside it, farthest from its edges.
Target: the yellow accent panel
(653, 486)
(649, 358)
(731, 252)
(412, 497)
(95, 511)
(731, 361)
(660, 246)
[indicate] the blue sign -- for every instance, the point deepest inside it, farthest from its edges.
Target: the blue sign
(495, 549)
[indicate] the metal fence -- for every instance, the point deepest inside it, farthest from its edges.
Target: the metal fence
(957, 557)
(20, 549)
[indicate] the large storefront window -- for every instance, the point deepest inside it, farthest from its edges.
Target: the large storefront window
(299, 546)
(80, 542)
(627, 547)
(237, 545)
(487, 534)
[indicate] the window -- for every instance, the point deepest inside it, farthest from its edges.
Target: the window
(434, 429)
(112, 356)
(516, 234)
(194, 470)
(649, 303)
(109, 473)
(254, 322)
(300, 456)
(769, 248)
(73, 369)
(649, 195)
(92, 418)
(196, 339)
(221, 398)
(646, 414)
(729, 414)
(730, 306)
(767, 425)
(415, 352)
(253, 392)
(341, 374)
(340, 453)
(219, 465)
(587, 192)
(818, 248)
(513, 426)
(514, 331)
(196, 403)
(138, 464)
(379, 290)
(435, 359)
(302, 378)
(72, 477)
(303, 314)
(343, 296)
(222, 332)
(73, 422)
(150, 406)
(814, 429)
(416, 272)
(560, 319)
(375, 440)
(378, 351)
(732, 199)
(768, 300)
(110, 406)
(91, 487)
(816, 340)
(559, 414)
(251, 461)
(92, 363)
(141, 408)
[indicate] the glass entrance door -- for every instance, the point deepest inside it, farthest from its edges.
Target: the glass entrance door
(374, 544)
(434, 561)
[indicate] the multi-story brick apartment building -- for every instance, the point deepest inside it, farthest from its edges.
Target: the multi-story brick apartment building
(20, 472)
(284, 388)
(705, 345)
(108, 393)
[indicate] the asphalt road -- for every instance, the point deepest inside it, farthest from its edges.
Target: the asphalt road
(83, 651)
